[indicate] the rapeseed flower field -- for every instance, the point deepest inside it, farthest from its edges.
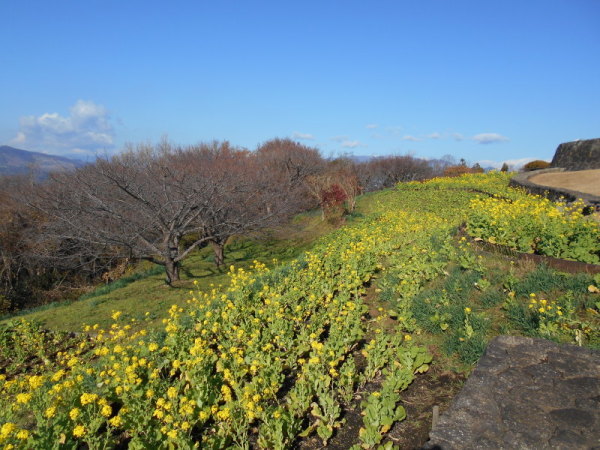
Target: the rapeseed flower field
(281, 351)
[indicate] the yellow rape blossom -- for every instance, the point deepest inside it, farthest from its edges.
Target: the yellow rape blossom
(223, 414)
(7, 429)
(22, 434)
(172, 434)
(23, 398)
(50, 412)
(116, 421)
(86, 399)
(74, 413)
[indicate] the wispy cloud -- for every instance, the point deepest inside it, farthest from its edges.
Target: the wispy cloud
(86, 130)
(417, 138)
(351, 144)
(302, 136)
(489, 138)
(340, 138)
(396, 129)
(372, 126)
(514, 164)
(408, 137)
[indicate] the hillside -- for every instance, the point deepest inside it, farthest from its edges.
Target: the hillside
(350, 340)
(14, 161)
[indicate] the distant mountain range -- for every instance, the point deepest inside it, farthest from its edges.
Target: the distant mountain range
(14, 161)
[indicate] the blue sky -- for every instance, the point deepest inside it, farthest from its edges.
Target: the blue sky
(485, 81)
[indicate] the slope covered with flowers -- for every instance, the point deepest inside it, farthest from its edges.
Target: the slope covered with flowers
(253, 360)
(537, 225)
(276, 355)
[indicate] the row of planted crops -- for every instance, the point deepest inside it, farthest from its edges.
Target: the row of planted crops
(280, 353)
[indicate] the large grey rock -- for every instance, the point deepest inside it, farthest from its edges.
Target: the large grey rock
(525, 393)
(578, 155)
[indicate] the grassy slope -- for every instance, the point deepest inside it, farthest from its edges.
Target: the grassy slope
(151, 295)
(449, 293)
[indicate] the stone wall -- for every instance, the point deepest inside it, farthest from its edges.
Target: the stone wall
(578, 155)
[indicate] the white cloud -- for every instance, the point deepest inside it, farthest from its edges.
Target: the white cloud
(458, 136)
(372, 126)
(514, 164)
(87, 129)
(351, 144)
(408, 137)
(489, 138)
(435, 135)
(303, 136)
(340, 138)
(396, 129)
(20, 138)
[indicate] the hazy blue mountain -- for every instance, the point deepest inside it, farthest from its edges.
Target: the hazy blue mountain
(14, 161)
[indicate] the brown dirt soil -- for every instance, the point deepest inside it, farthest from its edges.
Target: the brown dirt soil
(433, 388)
(428, 390)
(436, 387)
(587, 181)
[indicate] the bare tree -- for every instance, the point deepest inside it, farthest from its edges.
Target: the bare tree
(250, 198)
(139, 204)
(29, 277)
(386, 171)
(334, 188)
(345, 173)
(289, 165)
(15, 222)
(159, 203)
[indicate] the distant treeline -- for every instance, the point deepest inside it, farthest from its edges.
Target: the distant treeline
(160, 202)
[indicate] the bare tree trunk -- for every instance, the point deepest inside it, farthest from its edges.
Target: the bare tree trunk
(219, 249)
(350, 204)
(171, 262)
(172, 271)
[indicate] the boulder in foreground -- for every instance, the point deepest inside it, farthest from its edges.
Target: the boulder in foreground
(526, 393)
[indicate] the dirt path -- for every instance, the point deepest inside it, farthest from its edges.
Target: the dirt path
(587, 181)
